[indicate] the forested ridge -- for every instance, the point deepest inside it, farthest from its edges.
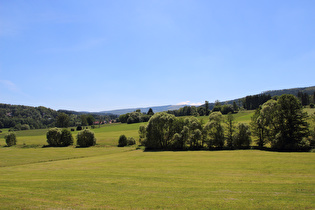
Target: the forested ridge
(20, 117)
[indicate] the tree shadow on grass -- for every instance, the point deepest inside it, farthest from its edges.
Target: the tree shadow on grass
(225, 149)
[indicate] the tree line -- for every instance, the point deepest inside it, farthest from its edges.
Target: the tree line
(136, 117)
(18, 117)
(280, 123)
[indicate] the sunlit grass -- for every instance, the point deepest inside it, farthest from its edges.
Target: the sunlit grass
(186, 180)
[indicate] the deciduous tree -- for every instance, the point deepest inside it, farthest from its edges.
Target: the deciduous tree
(215, 130)
(243, 136)
(230, 128)
(63, 120)
(160, 131)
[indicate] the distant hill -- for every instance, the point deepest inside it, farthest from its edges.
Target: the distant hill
(293, 91)
(154, 108)
(40, 117)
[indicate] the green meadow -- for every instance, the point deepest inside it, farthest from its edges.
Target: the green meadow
(106, 176)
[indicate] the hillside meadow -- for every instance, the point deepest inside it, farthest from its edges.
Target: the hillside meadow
(106, 135)
(106, 176)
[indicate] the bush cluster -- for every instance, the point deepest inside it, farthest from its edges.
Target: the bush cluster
(124, 141)
(59, 138)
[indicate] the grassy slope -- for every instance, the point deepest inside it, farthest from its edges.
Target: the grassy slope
(111, 177)
(107, 135)
(137, 179)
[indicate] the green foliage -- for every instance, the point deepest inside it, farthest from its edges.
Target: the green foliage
(291, 124)
(184, 111)
(135, 117)
(66, 138)
(201, 111)
(262, 125)
(53, 137)
(235, 107)
(25, 127)
(207, 108)
(84, 121)
(242, 137)
(160, 131)
(79, 128)
(194, 132)
(227, 108)
(86, 138)
(282, 123)
(195, 138)
(122, 141)
(123, 118)
(131, 141)
(10, 139)
(150, 112)
(35, 117)
(59, 138)
(63, 120)
(90, 119)
(142, 134)
(230, 125)
(253, 102)
(215, 131)
(304, 98)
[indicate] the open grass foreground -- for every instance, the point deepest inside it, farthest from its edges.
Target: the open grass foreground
(117, 178)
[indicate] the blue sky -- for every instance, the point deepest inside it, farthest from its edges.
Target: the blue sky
(97, 55)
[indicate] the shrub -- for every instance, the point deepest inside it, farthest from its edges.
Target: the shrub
(142, 134)
(59, 138)
(131, 141)
(53, 136)
(86, 138)
(72, 129)
(79, 128)
(66, 138)
(312, 105)
(122, 141)
(10, 139)
(25, 127)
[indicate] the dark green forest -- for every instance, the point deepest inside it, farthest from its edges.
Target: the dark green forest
(18, 117)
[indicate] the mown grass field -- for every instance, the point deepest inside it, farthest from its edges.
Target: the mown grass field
(106, 176)
(116, 178)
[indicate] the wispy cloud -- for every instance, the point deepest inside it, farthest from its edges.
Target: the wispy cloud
(10, 85)
(190, 103)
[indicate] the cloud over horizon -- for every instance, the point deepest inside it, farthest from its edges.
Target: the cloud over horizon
(189, 103)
